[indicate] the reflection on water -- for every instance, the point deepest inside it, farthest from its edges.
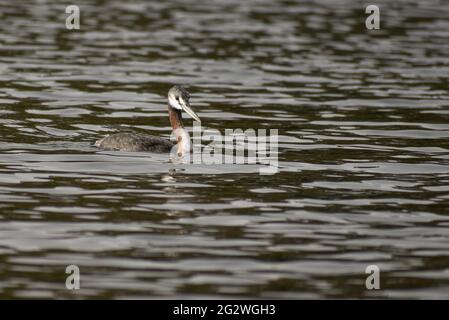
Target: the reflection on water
(363, 150)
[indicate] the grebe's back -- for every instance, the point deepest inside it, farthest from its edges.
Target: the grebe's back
(134, 142)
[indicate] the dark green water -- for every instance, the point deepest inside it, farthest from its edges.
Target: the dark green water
(363, 150)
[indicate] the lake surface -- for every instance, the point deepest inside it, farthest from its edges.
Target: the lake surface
(363, 122)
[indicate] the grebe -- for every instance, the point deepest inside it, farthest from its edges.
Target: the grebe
(178, 100)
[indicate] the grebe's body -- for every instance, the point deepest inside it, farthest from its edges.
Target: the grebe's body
(178, 100)
(134, 142)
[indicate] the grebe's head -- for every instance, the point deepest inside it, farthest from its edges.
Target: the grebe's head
(178, 98)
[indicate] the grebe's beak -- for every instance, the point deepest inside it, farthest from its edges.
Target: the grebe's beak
(186, 107)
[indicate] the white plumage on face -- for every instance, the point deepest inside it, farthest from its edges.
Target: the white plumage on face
(174, 102)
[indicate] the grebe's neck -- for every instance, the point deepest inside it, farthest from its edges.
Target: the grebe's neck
(179, 132)
(175, 117)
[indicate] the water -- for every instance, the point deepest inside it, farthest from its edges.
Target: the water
(363, 150)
